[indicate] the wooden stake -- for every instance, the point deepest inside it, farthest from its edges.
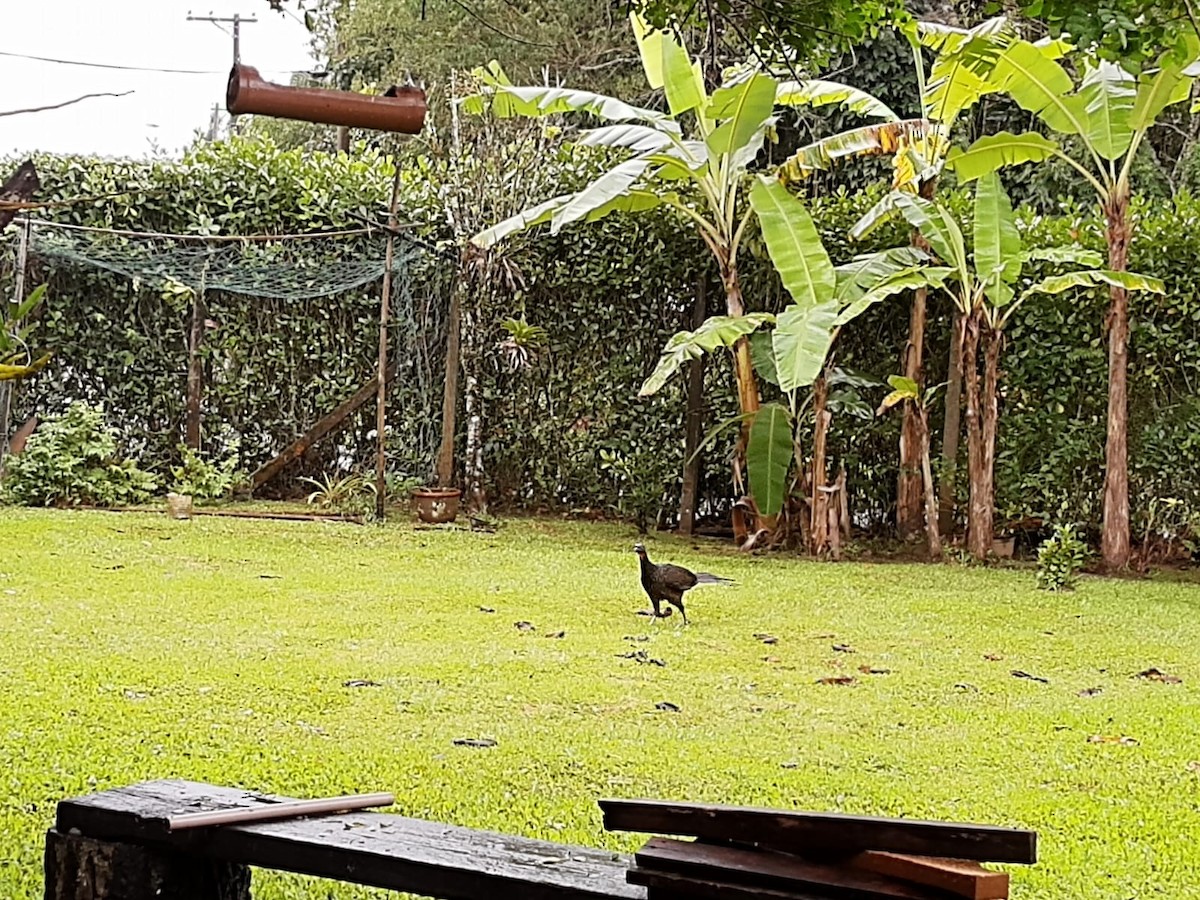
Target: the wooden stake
(381, 375)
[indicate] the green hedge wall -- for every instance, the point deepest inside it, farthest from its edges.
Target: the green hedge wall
(570, 432)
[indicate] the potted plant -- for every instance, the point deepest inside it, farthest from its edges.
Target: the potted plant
(199, 478)
(437, 505)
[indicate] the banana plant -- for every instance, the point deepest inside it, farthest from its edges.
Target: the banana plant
(699, 171)
(16, 359)
(983, 287)
(905, 391)
(1108, 114)
(791, 349)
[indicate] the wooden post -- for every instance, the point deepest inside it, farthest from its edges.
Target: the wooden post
(84, 868)
(195, 375)
(7, 387)
(445, 458)
(695, 419)
(381, 374)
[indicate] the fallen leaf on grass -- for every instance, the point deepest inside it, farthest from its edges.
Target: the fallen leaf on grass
(360, 683)
(1113, 739)
(269, 575)
(964, 686)
(480, 743)
(789, 765)
(770, 659)
(1091, 692)
(666, 706)
(1017, 673)
(486, 609)
(843, 648)
(636, 638)
(871, 670)
(822, 637)
(838, 679)
(1159, 676)
(1193, 766)
(993, 657)
(641, 657)
(766, 638)
(557, 634)
(525, 626)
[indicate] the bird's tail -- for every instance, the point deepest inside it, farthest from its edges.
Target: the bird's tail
(708, 578)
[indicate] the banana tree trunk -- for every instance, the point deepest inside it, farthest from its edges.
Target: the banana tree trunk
(908, 483)
(951, 429)
(933, 534)
(748, 400)
(982, 412)
(1114, 542)
(909, 492)
(819, 535)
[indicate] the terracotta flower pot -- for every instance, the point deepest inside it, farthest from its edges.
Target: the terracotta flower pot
(179, 506)
(437, 505)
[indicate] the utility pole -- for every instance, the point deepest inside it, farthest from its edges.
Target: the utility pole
(236, 21)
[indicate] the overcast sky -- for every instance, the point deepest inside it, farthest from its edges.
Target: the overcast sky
(163, 108)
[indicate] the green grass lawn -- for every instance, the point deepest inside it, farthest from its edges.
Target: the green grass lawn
(132, 647)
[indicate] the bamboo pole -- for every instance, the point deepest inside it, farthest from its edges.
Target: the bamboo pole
(273, 812)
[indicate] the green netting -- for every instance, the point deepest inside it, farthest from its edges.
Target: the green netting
(292, 332)
(286, 269)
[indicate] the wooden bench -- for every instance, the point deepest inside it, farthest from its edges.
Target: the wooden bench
(115, 845)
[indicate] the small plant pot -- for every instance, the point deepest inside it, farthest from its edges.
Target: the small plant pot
(1002, 548)
(179, 506)
(437, 505)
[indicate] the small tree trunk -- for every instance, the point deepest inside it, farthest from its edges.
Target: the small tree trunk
(1114, 542)
(979, 512)
(933, 533)
(819, 538)
(445, 457)
(908, 484)
(473, 471)
(748, 400)
(951, 428)
(195, 374)
(695, 420)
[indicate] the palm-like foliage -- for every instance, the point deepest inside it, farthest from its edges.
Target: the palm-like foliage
(1108, 114)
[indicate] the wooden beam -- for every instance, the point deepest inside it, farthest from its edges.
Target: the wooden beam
(772, 870)
(326, 424)
(86, 868)
(673, 886)
(374, 849)
(955, 876)
(816, 832)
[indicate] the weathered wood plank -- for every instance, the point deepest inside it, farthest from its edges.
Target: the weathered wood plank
(817, 832)
(771, 869)
(326, 424)
(84, 868)
(956, 876)
(673, 886)
(387, 851)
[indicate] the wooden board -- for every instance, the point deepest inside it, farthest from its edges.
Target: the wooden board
(772, 869)
(956, 876)
(375, 849)
(673, 886)
(821, 832)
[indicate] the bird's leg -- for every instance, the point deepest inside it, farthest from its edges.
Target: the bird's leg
(678, 604)
(654, 602)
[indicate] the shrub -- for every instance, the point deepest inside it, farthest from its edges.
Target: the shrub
(203, 479)
(71, 459)
(1060, 558)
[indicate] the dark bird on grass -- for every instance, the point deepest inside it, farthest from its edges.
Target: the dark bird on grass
(663, 581)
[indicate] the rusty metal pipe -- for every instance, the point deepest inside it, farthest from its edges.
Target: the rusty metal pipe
(401, 109)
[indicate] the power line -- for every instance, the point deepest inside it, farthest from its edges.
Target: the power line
(96, 65)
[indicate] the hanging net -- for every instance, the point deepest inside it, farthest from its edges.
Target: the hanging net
(291, 332)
